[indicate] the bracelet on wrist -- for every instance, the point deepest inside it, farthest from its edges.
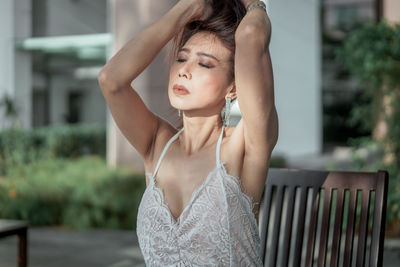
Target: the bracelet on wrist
(253, 2)
(259, 4)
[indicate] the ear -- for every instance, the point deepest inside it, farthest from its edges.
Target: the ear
(232, 91)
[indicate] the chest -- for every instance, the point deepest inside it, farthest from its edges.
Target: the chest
(178, 178)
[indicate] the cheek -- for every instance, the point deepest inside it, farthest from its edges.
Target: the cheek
(212, 79)
(207, 82)
(172, 72)
(209, 87)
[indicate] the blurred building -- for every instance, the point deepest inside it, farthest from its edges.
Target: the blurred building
(339, 13)
(51, 52)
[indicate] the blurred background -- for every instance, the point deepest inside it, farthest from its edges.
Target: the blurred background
(67, 170)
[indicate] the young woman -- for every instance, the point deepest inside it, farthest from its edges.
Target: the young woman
(204, 179)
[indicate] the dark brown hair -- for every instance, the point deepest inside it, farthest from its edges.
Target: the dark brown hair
(223, 23)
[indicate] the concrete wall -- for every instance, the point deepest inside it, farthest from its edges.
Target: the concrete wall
(15, 72)
(127, 19)
(296, 58)
(93, 109)
(6, 53)
(70, 17)
(391, 10)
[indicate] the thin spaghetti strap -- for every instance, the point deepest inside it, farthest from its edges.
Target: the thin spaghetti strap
(173, 138)
(218, 151)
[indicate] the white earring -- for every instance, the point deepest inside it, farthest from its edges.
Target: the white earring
(226, 111)
(179, 113)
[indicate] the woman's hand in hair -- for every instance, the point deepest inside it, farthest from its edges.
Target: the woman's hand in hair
(204, 9)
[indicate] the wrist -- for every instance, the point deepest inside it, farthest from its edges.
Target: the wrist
(256, 4)
(250, 2)
(258, 20)
(189, 10)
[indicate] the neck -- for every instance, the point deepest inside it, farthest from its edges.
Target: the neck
(199, 135)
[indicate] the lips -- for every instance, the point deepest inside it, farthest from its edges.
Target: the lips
(180, 89)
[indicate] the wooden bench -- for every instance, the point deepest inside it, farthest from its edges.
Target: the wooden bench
(303, 208)
(19, 228)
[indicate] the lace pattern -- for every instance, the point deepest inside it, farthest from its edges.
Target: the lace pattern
(216, 228)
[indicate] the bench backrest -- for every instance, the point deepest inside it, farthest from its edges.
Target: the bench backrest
(310, 217)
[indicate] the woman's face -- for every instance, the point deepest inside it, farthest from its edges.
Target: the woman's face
(202, 66)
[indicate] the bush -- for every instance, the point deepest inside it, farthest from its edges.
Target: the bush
(277, 162)
(47, 178)
(377, 163)
(19, 147)
(80, 193)
(74, 141)
(372, 54)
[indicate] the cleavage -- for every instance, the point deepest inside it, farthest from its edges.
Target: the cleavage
(178, 187)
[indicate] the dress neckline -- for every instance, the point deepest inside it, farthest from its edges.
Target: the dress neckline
(195, 192)
(174, 137)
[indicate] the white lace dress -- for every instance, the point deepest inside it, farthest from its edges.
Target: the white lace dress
(216, 228)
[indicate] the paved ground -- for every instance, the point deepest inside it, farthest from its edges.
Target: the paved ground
(52, 247)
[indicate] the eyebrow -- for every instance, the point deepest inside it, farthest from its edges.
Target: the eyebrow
(199, 53)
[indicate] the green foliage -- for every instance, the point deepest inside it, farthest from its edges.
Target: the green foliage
(372, 54)
(361, 164)
(277, 162)
(19, 147)
(78, 193)
(47, 178)
(73, 141)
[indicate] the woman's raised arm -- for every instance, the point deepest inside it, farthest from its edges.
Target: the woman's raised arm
(255, 93)
(255, 83)
(138, 124)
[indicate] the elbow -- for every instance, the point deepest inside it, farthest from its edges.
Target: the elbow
(102, 78)
(252, 35)
(249, 31)
(106, 84)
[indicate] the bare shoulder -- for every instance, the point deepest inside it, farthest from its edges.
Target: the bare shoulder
(164, 132)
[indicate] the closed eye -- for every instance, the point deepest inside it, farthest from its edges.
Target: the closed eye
(201, 64)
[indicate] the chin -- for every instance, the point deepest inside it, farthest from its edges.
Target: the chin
(175, 102)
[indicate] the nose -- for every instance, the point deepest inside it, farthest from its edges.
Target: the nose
(184, 72)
